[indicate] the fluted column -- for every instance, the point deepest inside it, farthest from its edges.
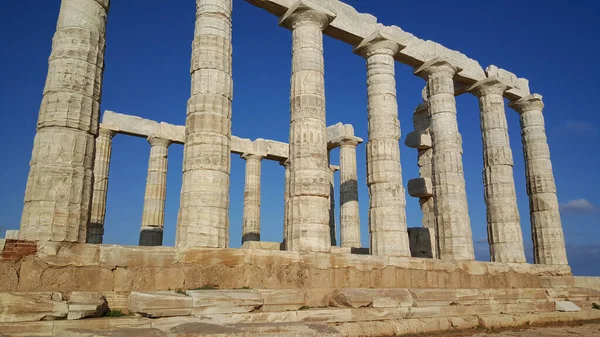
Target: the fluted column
(450, 197)
(59, 185)
(309, 172)
(95, 230)
(387, 214)
(503, 222)
(251, 217)
(332, 234)
(421, 122)
(153, 216)
(349, 211)
(203, 216)
(286, 202)
(546, 227)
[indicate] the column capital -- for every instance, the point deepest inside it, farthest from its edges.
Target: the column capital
(333, 168)
(437, 66)
(489, 86)
(531, 102)
(285, 163)
(252, 156)
(378, 43)
(306, 12)
(157, 141)
(346, 142)
(104, 3)
(106, 132)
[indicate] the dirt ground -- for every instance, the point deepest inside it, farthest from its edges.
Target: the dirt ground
(587, 329)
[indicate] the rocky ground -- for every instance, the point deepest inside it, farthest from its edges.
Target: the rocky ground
(589, 329)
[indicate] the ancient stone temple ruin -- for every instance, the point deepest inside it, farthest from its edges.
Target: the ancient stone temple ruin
(57, 276)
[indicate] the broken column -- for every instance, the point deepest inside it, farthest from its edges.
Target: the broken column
(503, 222)
(286, 201)
(309, 172)
(422, 187)
(387, 214)
(153, 216)
(451, 210)
(332, 236)
(251, 217)
(203, 216)
(59, 185)
(546, 227)
(95, 230)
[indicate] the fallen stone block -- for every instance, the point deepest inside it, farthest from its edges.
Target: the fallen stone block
(566, 306)
(29, 307)
(288, 330)
(146, 332)
(420, 188)
(224, 301)
(282, 299)
(352, 298)
(84, 304)
(160, 304)
(203, 329)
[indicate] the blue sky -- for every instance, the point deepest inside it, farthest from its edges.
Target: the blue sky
(552, 43)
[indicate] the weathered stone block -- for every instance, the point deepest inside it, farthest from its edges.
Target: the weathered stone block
(28, 307)
(224, 301)
(86, 304)
(420, 242)
(160, 304)
(282, 300)
(566, 306)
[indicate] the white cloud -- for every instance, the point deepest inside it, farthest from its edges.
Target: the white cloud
(578, 206)
(579, 128)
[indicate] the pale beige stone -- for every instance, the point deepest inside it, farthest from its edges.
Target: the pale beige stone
(153, 214)
(261, 245)
(503, 221)
(288, 330)
(127, 332)
(387, 214)
(451, 211)
(203, 329)
(59, 186)
(101, 171)
(546, 226)
(282, 299)
(203, 215)
(286, 203)
(160, 304)
(11, 235)
(33, 306)
(251, 215)
(84, 304)
(27, 329)
(224, 301)
(309, 173)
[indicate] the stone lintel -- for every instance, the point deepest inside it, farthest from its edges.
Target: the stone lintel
(418, 140)
(302, 6)
(435, 62)
(530, 102)
(519, 87)
(420, 188)
(492, 84)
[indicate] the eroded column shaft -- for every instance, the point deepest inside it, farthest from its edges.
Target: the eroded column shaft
(332, 226)
(95, 232)
(450, 198)
(251, 217)
(59, 185)
(546, 227)
(349, 211)
(309, 172)
(153, 216)
(286, 202)
(503, 222)
(203, 216)
(387, 214)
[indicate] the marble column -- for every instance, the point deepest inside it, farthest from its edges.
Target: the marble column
(251, 217)
(309, 170)
(203, 216)
(286, 202)
(503, 222)
(450, 197)
(59, 186)
(153, 216)
(387, 214)
(95, 230)
(546, 227)
(349, 211)
(332, 234)
(421, 122)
